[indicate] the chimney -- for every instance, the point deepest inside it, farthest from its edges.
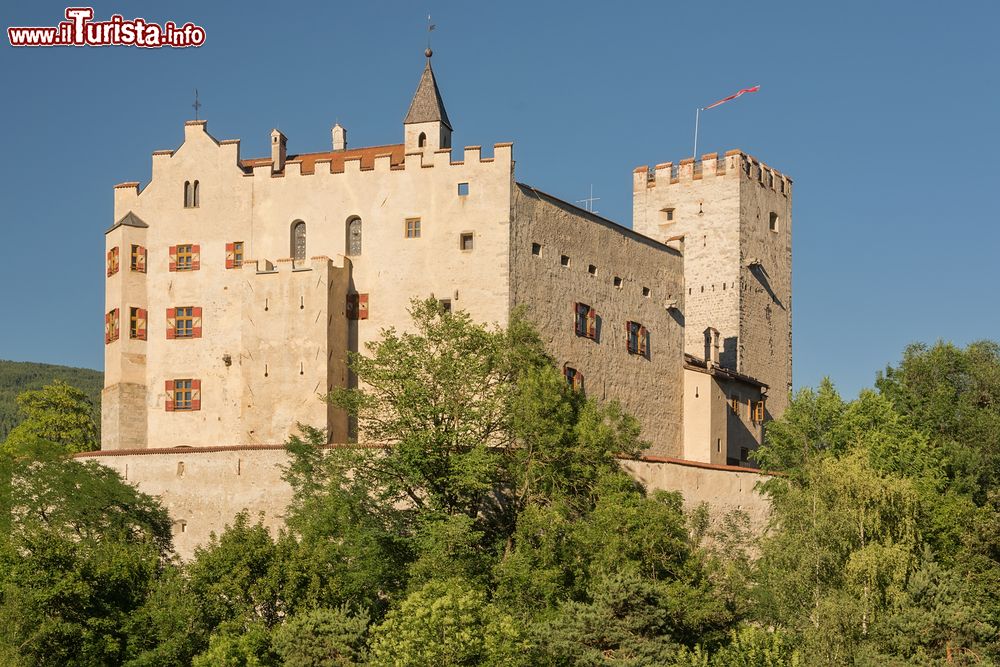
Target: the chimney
(279, 148)
(339, 135)
(712, 346)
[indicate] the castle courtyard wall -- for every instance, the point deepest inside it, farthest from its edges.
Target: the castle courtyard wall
(203, 489)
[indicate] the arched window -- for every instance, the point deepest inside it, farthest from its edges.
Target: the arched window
(195, 198)
(298, 240)
(422, 140)
(188, 195)
(354, 236)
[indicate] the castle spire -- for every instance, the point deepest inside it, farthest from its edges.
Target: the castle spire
(427, 106)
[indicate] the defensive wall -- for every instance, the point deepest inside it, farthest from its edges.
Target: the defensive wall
(203, 488)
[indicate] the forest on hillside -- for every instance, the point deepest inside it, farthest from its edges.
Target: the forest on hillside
(20, 376)
(497, 528)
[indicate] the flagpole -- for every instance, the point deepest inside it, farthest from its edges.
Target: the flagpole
(696, 114)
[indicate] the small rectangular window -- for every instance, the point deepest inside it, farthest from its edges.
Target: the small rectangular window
(446, 304)
(773, 222)
(564, 260)
(618, 282)
(413, 228)
(185, 257)
(744, 454)
(585, 321)
(536, 249)
(465, 241)
(463, 189)
(184, 322)
(138, 259)
(573, 377)
(137, 324)
(234, 255)
(592, 270)
(645, 292)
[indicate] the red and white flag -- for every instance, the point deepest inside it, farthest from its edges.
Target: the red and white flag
(753, 89)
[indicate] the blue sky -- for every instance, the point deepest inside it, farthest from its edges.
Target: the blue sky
(885, 114)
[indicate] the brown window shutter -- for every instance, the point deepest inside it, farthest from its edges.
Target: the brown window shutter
(113, 261)
(230, 255)
(196, 394)
(107, 328)
(169, 402)
(115, 323)
(643, 341)
(196, 323)
(171, 322)
(592, 324)
(195, 257)
(578, 381)
(173, 258)
(362, 306)
(140, 324)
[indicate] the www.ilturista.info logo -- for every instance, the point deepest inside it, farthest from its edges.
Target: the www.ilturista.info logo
(80, 30)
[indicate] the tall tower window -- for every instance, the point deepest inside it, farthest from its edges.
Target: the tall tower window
(191, 194)
(354, 236)
(773, 222)
(422, 140)
(298, 240)
(196, 194)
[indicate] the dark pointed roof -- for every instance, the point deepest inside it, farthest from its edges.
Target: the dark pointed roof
(427, 106)
(130, 219)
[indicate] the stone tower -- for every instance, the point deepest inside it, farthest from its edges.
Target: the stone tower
(426, 126)
(732, 216)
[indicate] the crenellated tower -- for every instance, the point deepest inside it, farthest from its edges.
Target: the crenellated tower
(732, 215)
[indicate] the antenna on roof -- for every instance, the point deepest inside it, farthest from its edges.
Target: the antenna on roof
(588, 202)
(197, 104)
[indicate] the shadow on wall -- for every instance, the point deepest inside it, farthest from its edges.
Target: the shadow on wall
(727, 358)
(760, 273)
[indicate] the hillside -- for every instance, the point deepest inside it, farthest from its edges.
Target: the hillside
(18, 376)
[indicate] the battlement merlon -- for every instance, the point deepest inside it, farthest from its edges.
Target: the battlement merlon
(731, 165)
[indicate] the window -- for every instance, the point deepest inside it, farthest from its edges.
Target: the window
(592, 270)
(184, 322)
(234, 255)
(138, 259)
(465, 241)
(422, 140)
(586, 321)
(196, 194)
(744, 454)
(185, 257)
(354, 236)
(666, 215)
(773, 222)
(188, 195)
(183, 395)
(463, 189)
(645, 292)
(111, 325)
(564, 260)
(637, 339)
(573, 377)
(137, 324)
(446, 304)
(113, 261)
(670, 214)
(734, 403)
(298, 240)
(536, 249)
(758, 412)
(412, 228)
(618, 282)
(357, 306)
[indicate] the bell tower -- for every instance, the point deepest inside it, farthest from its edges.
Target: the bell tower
(426, 127)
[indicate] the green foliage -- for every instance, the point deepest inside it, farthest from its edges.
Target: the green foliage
(16, 377)
(245, 647)
(322, 638)
(59, 415)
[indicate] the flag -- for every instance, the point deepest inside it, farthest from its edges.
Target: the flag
(753, 89)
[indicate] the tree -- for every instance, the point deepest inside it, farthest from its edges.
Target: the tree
(59, 414)
(322, 638)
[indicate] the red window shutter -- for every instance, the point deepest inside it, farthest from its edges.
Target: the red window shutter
(169, 402)
(230, 255)
(140, 324)
(115, 323)
(113, 261)
(173, 258)
(107, 328)
(196, 323)
(362, 306)
(196, 394)
(195, 257)
(140, 259)
(171, 322)
(643, 341)
(592, 324)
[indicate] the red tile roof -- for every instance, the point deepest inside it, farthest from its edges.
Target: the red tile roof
(336, 158)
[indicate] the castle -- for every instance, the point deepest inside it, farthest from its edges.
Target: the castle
(236, 287)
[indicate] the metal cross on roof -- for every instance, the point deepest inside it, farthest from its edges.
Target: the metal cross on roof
(588, 202)
(197, 104)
